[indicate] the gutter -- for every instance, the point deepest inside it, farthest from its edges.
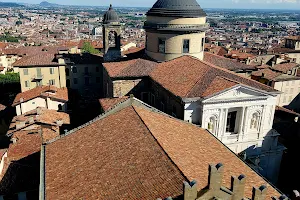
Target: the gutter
(42, 194)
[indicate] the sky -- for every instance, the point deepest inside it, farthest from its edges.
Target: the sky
(252, 4)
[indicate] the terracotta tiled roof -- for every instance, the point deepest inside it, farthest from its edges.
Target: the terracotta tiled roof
(95, 43)
(131, 68)
(263, 67)
(285, 67)
(42, 91)
(279, 108)
(220, 51)
(294, 37)
(133, 50)
(31, 50)
(98, 161)
(109, 103)
(226, 63)
(39, 115)
(40, 59)
(188, 77)
(266, 73)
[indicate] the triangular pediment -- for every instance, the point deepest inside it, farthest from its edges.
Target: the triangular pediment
(238, 93)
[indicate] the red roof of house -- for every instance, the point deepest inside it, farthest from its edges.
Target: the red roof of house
(136, 152)
(188, 77)
(226, 63)
(109, 103)
(42, 91)
(285, 67)
(40, 59)
(132, 68)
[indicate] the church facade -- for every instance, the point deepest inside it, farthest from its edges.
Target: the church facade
(236, 110)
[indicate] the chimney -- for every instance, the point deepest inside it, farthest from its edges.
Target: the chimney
(238, 187)
(20, 125)
(21, 100)
(273, 63)
(14, 140)
(215, 177)
(39, 111)
(31, 120)
(190, 190)
(295, 195)
(59, 122)
(259, 193)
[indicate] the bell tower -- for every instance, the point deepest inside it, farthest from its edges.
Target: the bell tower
(111, 36)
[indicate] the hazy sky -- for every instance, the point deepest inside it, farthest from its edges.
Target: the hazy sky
(263, 4)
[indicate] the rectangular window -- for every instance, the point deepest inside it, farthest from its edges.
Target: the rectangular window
(39, 83)
(291, 90)
(98, 79)
(202, 44)
(287, 83)
(186, 46)
(87, 81)
(51, 70)
(39, 72)
(230, 125)
(75, 81)
(161, 45)
(52, 82)
(27, 84)
(25, 71)
(284, 100)
(86, 70)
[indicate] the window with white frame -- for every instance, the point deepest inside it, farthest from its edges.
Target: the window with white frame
(52, 82)
(27, 84)
(51, 70)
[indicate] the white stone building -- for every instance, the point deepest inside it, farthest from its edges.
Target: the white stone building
(48, 97)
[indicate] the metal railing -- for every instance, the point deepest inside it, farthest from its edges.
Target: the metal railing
(178, 27)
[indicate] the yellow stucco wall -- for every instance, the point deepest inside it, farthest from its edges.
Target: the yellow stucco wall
(58, 76)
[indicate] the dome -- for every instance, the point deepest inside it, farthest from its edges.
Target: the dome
(176, 8)
(110, 16)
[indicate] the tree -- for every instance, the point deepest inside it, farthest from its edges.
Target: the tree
(18, 23)
(88, 48)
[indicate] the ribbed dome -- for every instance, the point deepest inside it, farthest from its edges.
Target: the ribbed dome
(176, 8)
(110, 16)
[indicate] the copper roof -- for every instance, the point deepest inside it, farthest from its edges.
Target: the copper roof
(137, 152)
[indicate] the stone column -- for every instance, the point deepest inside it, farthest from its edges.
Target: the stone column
(223, 123)
(262, 122)
(241, 128)
(245, 128)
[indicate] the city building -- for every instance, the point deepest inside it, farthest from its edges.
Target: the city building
(289, 85)
(175, 28)
(41, 69)
(20, 162)
(49, 97)
(96, 160)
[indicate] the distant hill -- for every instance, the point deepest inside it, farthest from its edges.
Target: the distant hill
(47, 4)
(7, 4)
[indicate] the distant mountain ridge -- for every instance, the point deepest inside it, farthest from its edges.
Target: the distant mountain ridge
(47, 4)
(9, 4)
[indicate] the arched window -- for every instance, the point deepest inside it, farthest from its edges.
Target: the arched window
(67, 72)
(112, 39)
(254, 124)
(212, 125)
